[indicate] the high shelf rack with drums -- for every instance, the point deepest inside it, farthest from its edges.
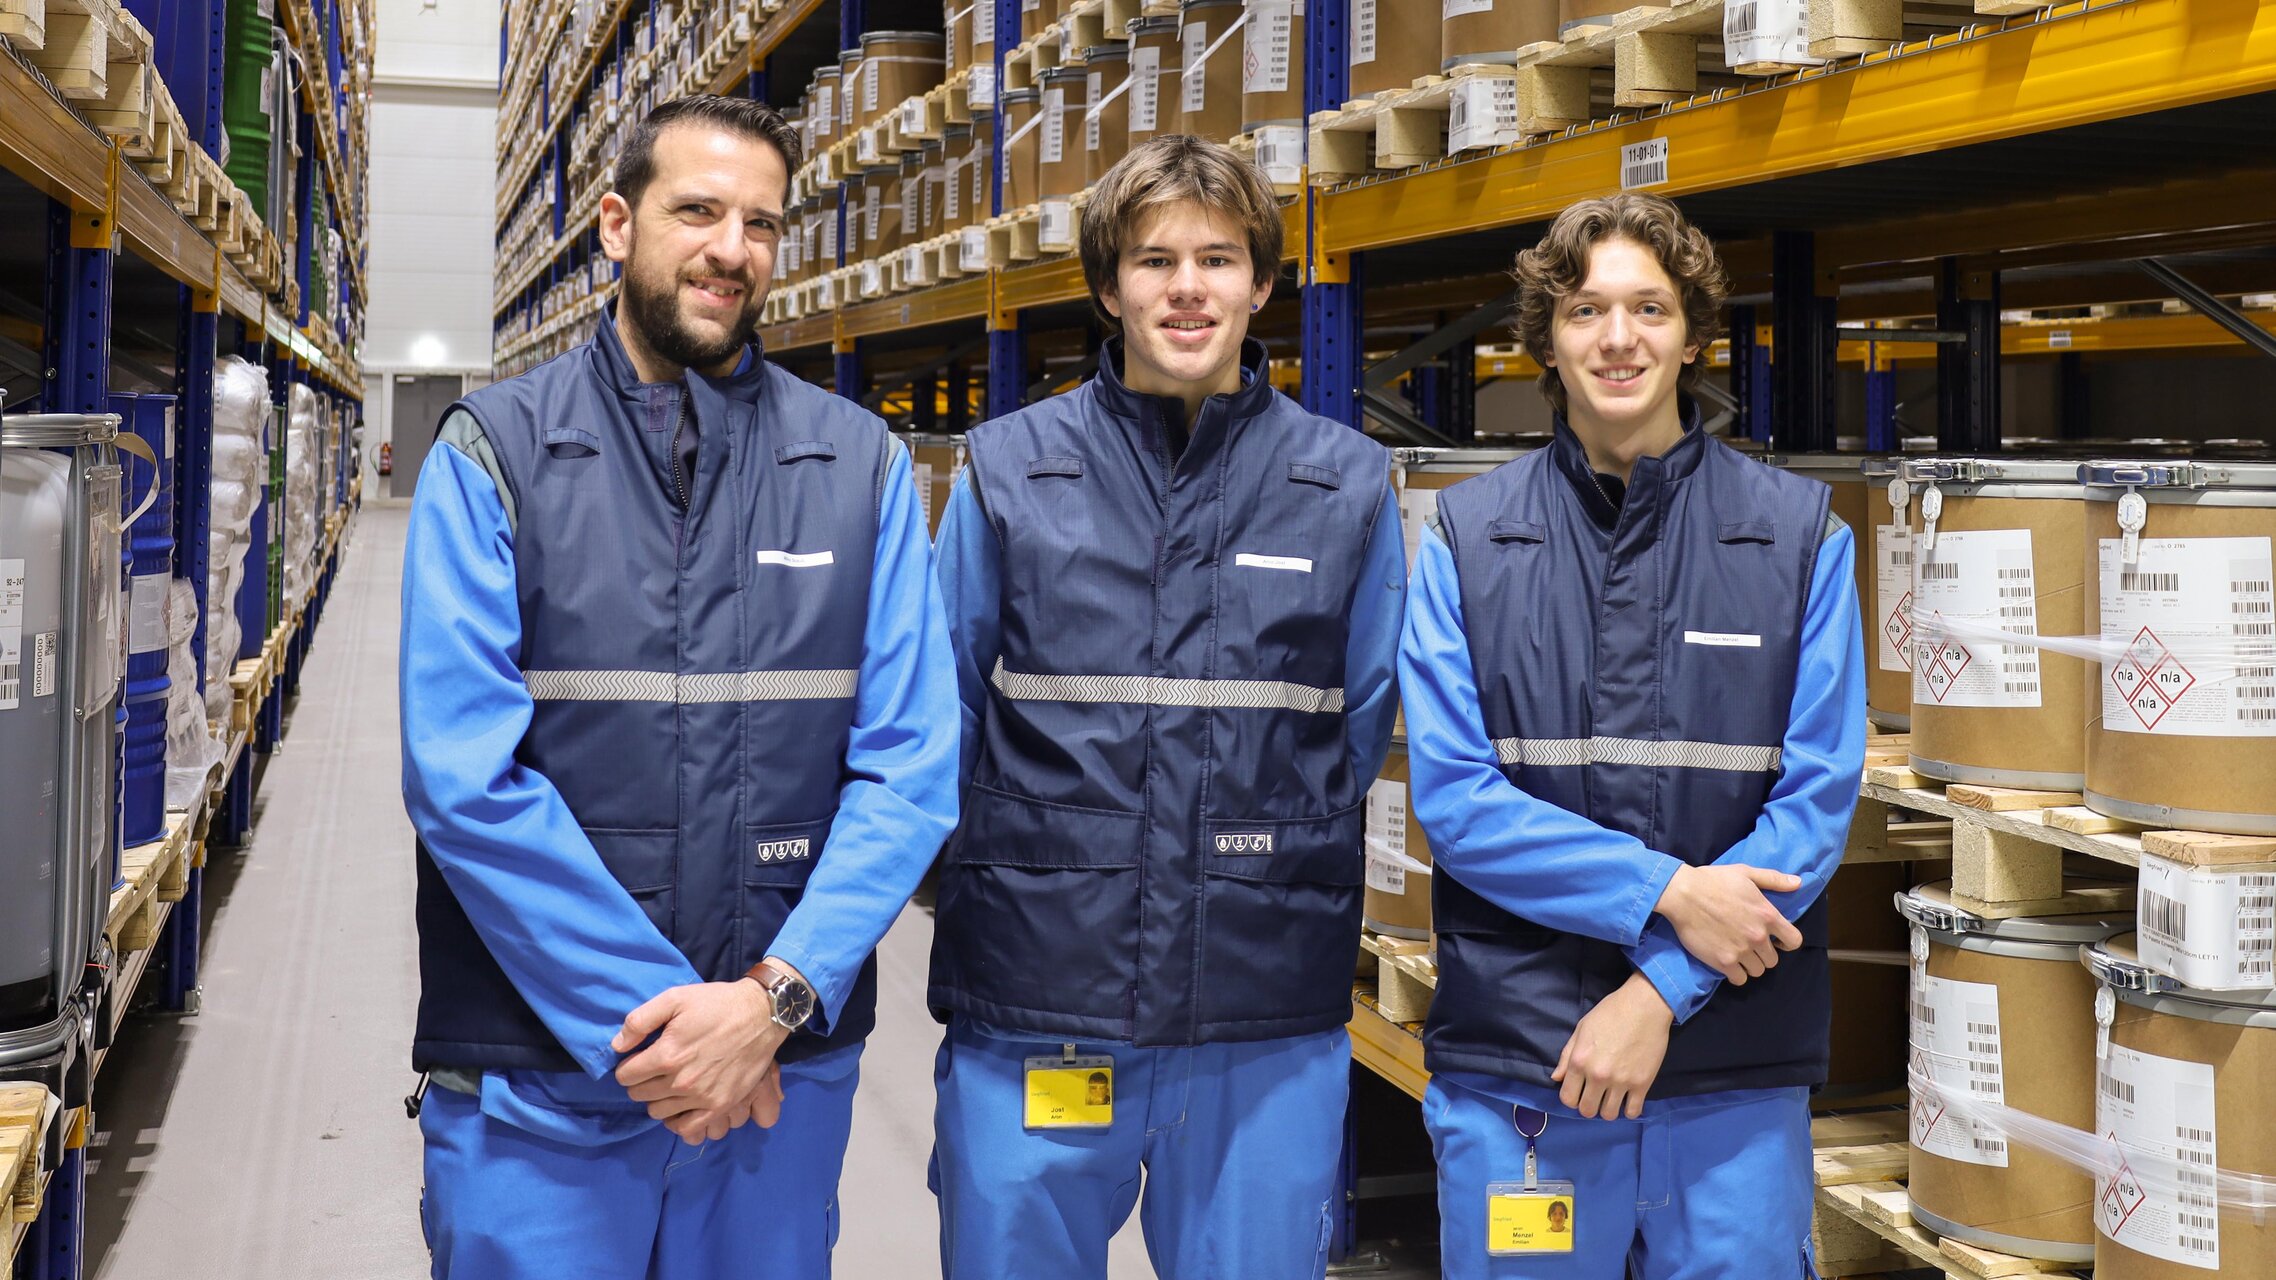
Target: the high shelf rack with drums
(183, 184)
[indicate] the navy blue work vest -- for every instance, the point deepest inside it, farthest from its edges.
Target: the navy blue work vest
(1161, 842)
(693, 672)
(1577, 617)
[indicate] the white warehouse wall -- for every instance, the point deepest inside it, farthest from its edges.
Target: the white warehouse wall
(433, 179)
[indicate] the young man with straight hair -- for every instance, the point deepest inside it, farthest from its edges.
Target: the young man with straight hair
(1174, 598)
(1635, 717)
(679, 738)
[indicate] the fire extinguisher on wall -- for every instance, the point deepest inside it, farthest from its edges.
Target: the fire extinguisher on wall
(387, 457)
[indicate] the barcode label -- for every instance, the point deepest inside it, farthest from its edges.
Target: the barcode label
(2161, 1198)
(2212, 928)
(1935, 572)
(1483, 114)
(43, 664)
(1739, 19)
(11, 685)
(1643, 164)
(2195, 621)
(1362, 31)
(1193, 78)
(1983, 578)
(2113, 1087)
(2135, 581)
(1145, 87)
(1955, 1044)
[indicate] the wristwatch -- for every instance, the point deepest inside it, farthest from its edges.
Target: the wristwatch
(793, 999)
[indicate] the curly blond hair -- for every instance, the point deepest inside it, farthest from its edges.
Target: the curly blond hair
(1553, 269)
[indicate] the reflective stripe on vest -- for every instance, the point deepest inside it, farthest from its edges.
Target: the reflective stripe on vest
(690, 690)
(1553, 753)
(1167, 691)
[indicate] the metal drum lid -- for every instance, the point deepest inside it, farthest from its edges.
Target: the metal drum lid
(2166, 477)
(1930, 907)
(2117, 964)
(1975, 471)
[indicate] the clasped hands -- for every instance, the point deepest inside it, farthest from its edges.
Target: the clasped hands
(712, 1065)
(1721, 916)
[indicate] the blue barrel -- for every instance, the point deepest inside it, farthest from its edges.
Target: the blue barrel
(150, 573)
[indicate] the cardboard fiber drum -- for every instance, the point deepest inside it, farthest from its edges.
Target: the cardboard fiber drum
(2191, 1077)
(1156, 59)
(1209, 101)
(2181, 730)
(1272, 64)
(2002, 1012)
(1106, 128)
(1398, 895)
(1492, 31)
(1998, 543)
(1390, 49)
(1884, 552)
(1020, 175)
(1059, 147)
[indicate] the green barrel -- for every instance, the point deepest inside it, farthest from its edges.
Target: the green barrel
(247, 95)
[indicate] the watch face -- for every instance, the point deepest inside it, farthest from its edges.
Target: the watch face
(793, 1002)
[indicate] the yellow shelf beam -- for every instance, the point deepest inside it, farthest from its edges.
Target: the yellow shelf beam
(2076, 66)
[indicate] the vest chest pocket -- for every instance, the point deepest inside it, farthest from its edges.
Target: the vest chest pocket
(1280, 924)
(647, 864)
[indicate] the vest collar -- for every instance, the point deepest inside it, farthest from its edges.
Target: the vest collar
(1253, 398)
(1645, 477)
(614, 364)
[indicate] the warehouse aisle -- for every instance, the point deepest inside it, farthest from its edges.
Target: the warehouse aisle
(265, 1139)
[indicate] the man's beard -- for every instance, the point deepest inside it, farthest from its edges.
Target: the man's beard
(655, 314)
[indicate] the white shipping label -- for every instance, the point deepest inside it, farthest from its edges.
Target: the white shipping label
(972, 249)
(865, 147)
(1193, 78)
(1145, 88)
(1766, 31)
(913, 115)
(146, 612)
(1054, 125)
(977, 170)
(1096, 84)
(1387, 836)
(1483, 113)
(1892, 595)
(872, 280)
(1416, 507)
(2208, 927)
(2160, 1110)
(826, 102)
(830, 237)
(1280, 153)
(952, 193)
(1955, 1044)
(925, 491)
(911, 193)
(43, 664)
(980, 90)
(1265, 46)
(1362, 31)
(1464, 8)
(870, 209)
(1984, 577)
(871, 73)
(11, 634)
(984, 23)
(1055, 226)
(2193, 616)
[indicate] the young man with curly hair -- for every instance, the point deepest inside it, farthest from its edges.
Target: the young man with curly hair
(1635, 717)
(1175, 601)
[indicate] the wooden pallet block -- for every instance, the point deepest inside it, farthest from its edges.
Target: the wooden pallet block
(1025, 65)
(1117, 15)
(26, 1111)
(1082, 29)
(1860, 1218)
(1406, 975)
(1015, 237)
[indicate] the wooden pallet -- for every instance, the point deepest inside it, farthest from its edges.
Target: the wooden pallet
(1288, 182)
(2008, 844)
(1405, 973)
(1638, 59)
(75, 43)
(1862, 1221)
(157, 875)
(27, 1115)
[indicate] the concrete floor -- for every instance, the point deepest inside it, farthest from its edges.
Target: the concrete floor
(264, 1138)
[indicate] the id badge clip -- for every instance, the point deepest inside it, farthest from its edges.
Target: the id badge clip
(1071, 1091)
(1533, 1216)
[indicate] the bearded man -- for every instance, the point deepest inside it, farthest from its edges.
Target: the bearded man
(679, 739)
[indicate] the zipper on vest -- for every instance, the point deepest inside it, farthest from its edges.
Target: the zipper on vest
(679, 427)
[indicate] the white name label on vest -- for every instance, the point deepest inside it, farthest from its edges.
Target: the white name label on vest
(1723, 639)
(1248, 842)
(1247, 560)
(797, 559)
(784, 850)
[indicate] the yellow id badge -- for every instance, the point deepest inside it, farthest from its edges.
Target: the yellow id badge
(1523, 1221)
(1070, 1092)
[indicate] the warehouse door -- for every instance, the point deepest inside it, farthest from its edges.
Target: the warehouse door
(419, 404)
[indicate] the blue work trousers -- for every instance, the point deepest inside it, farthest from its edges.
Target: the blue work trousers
(1239, 1146)
(517, 1190)
(1694, 1190)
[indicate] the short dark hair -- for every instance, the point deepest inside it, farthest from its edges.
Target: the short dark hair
(1100, 1077)
(1166, 169)
(748, 117)
(1554, 270)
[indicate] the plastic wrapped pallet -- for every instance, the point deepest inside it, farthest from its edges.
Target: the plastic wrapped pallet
(240, 467)
(191, 751)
